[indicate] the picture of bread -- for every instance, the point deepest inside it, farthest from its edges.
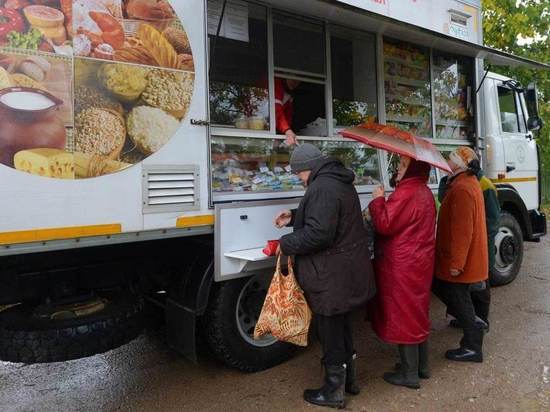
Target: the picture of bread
(178, 39)
(36, 67)
(160, 48)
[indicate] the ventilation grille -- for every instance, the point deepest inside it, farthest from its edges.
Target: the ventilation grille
(170, 189)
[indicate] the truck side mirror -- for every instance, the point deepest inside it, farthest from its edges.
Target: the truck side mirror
(534, 123)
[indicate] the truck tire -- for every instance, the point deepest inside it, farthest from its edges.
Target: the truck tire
(27, 338)
(509, 251)
(228, 326)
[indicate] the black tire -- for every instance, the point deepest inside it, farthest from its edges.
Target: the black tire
(509, 251)
(221, 331)
(28, 339)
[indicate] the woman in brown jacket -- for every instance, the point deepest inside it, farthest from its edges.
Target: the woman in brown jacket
(461, 252)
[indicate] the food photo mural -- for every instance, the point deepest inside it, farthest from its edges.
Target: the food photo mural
(90, 87)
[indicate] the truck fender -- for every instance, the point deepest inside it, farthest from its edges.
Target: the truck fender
(511, 202)
(188, 300)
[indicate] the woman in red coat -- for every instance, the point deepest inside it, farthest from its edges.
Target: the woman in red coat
(404, 265)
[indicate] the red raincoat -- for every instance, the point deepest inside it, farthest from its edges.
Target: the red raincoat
(404, 262)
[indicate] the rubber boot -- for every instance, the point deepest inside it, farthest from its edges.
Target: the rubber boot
(331, 394)
(470, 347)
(351, 376)
(423, 361)
(408, 374)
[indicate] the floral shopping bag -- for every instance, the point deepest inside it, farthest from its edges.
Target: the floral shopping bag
(285, 314)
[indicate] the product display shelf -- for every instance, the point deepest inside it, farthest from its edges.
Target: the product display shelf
(405, 119)
(405, 62)
(451, 123)
(408, 82)
(409, 100)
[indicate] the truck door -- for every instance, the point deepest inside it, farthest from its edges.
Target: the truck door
(520, 152)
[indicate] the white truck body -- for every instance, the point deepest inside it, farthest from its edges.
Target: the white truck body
(172, 194)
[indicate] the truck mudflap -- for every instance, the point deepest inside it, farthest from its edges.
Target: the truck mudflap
(538, 225)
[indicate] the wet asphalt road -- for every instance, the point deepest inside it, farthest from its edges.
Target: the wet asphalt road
(146, 376)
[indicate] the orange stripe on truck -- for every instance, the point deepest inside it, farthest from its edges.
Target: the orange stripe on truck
(191, 221)
(515, 180)
(42, 235)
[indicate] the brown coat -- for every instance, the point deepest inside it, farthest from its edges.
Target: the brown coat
(462, 233)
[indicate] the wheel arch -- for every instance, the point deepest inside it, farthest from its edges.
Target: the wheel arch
(511, 202)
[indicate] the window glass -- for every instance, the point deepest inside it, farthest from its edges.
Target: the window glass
(407, 86)
(239, 95)
(353, 66)
(262, 165)
(299, 44)
(508, 114)
(521, 116)
(452, 96)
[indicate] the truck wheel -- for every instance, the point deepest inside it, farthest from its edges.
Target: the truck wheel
(509, 251)
(228, 325)
(39, 334)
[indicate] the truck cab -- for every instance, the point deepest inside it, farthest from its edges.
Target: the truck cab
(510, 125)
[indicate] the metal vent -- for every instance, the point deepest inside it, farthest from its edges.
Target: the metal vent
(170, 188)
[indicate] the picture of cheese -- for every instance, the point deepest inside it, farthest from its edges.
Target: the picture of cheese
(46, 162)
(56, 34)
(5, 80)
(44, 16)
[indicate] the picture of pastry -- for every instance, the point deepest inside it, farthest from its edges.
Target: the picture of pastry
(35, 67)
(160, 48)
(47, 20)
(178, 39)
(151, 128)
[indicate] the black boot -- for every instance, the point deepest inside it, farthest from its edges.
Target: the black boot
(331, 394)
(470, 347)
(423, 361)
(351, 376)
(423, 364)
(408, 374)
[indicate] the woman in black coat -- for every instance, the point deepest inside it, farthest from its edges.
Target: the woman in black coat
(332, 263)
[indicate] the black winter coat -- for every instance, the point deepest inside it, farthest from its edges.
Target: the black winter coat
(332, 260)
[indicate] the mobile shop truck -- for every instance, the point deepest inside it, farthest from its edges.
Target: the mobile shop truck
(145, 165)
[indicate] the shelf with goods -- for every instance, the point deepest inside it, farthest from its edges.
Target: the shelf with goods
(405, 62)
(408, 82)
(262, 165)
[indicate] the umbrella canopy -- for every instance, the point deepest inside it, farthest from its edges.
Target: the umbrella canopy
(397, 141)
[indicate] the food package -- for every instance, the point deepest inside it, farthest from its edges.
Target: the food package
(45, 162)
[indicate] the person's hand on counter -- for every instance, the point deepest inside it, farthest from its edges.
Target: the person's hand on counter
(291, 138)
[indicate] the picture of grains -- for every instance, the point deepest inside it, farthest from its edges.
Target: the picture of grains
(99, 131)
(151, 128)
(87, 97)
(169, 91)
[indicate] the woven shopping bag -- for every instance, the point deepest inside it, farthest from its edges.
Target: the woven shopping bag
(285, 314)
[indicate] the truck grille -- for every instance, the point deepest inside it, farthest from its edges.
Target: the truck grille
(170, 188)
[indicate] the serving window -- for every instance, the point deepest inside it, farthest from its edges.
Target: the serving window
(353, 67)
(239, 92)
(273, 74)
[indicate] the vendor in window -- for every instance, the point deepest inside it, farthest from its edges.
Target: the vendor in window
(284, 108)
